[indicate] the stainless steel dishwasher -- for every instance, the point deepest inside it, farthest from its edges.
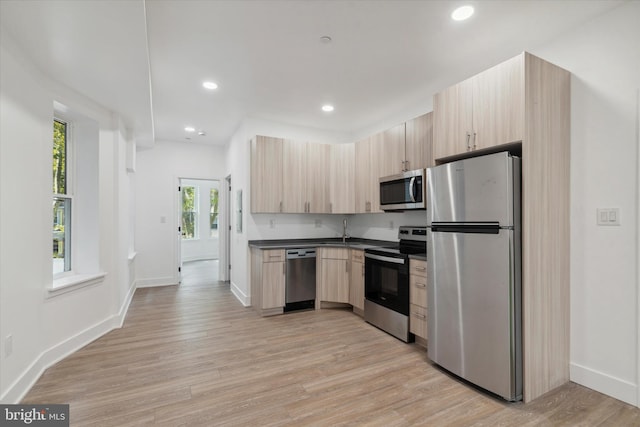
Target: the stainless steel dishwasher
(300, 282)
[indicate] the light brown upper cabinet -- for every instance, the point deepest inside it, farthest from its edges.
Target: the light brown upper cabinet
(266, 174)
(481, 112)
(419, 142)
(407, 146)
(367, 189)
(342, 178)
(305, 177)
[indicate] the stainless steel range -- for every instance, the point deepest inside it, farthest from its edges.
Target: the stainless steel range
(386, 282)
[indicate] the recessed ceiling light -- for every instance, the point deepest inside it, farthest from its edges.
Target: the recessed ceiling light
(190, 129)
(327, 108)
(462, 13)
(210, 85)
(325, 39)
(202, 133)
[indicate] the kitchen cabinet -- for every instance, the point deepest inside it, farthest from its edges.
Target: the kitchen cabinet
(368, 153)
(332, 274)
(419, 142)
(356, 281)
(294, 175)
(266, 174)
(318, 178)
(538, 126)
(391, 153)
(305, 174)
(268, 281)
(418, 298)
(481, 112)
(342, 178)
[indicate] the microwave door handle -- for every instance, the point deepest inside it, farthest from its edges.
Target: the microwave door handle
(412, 186)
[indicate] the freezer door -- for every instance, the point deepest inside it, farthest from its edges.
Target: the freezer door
(474, 308)
(474, 190)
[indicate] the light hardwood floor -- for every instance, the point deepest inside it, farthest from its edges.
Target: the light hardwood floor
(191, 355)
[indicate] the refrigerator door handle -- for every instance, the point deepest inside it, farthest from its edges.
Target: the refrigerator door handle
(469, 227)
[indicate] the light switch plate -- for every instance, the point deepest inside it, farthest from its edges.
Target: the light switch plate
(608, 216)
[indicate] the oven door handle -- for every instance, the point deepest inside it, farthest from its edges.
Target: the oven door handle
(385, 258)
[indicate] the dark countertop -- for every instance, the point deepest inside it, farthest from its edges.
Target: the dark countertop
(352, 243)
(422, 257)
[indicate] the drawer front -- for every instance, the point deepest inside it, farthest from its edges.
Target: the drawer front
(418, 267)
(418, 320)
(333, 253)
(273, 255)
(357, 255)
(418, 290)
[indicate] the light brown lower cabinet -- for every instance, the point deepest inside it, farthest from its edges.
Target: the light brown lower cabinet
(332, 274)
(356, 281)
(418, 298)
(268, 281)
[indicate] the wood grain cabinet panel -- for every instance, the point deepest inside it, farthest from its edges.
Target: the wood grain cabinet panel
(342, 178)
(266, 174)
(294, 175)
(452, 120)
(419, 142)
(318, 178)
(418, 297)
(268, 281)
(356, 281)
(332, 273)
(392, 153)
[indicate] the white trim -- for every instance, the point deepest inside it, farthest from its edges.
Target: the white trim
(241, 296)
(637, 403)
(132, 256)
(158, 281)
(604, 383)
(71, 283)
(20, 387)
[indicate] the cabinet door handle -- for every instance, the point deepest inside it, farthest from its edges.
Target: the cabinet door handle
(474, 140)
(421, 285)
(406, 165)
(346, 266)
(421, 268)
(367, 207)
(419, 316)
(280, 205)
(468, 141)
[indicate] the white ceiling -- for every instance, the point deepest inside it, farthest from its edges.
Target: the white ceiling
(147, 60)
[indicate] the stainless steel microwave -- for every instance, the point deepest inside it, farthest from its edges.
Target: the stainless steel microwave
(404, 191)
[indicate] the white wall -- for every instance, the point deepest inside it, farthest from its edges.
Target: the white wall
(45, 329)
(158, 171)
(604, 59)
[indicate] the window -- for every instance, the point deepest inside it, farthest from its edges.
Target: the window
(62, 199)
(213, 213)
(189, 212)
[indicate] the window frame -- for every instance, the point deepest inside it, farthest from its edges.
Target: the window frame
(67, 196)
(196, 212)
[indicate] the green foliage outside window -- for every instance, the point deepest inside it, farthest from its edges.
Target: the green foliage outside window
(189, 212)
(214, 196)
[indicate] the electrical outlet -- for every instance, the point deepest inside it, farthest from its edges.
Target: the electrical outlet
(272, 223)
(163, 219)
(8, 345)
(318, 223)
(608, 216)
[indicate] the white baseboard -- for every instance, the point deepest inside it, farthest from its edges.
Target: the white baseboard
(241, 296)
(604, 383)
(159, 281)
(53, 355)
(16, 392)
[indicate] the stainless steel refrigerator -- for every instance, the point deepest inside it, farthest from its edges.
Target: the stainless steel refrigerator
(474, 271)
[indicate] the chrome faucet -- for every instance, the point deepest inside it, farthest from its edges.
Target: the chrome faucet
(344, 231)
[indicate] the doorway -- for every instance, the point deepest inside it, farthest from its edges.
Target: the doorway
(199, 221)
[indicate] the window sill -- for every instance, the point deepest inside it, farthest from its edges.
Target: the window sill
(71, 283)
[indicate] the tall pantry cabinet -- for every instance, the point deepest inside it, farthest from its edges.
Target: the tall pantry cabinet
(524, 103)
